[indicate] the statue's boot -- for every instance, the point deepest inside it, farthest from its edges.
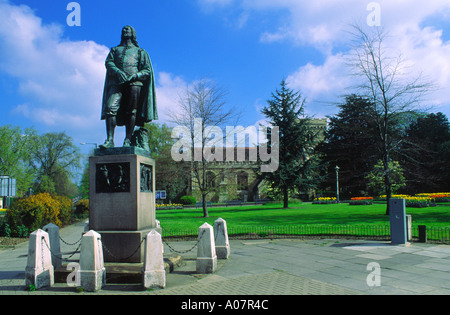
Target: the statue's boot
(108, 144)
(127, 143)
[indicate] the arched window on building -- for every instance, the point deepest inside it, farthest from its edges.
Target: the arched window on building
(242, 180)
(210, 180)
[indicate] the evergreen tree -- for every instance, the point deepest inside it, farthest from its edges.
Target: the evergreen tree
(349, 143)
(427, 161)
(298, 165)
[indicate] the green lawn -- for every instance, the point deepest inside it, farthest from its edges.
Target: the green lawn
(299, 214)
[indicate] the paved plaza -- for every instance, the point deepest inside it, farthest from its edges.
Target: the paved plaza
(275, 267)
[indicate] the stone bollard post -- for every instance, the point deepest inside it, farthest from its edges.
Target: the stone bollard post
(221, 239)
(422, 233)
(55, 248)
(92, 273)
(154, 274)
(39, 271)
(408, 227)
(206, 251)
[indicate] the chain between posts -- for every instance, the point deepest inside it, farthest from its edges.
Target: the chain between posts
(126, 258)
(184, 251)
(54, 255)
(70, 244)
(114, 256)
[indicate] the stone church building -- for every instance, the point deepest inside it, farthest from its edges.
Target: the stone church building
(239, 180)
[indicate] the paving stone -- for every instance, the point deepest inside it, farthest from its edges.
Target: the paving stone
(275, 283)
(266, 267)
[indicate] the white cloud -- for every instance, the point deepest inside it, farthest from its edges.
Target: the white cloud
(62, 80)
(169, 89)
(324, 22)
(424, 53)
(319, 80)
(324, 25)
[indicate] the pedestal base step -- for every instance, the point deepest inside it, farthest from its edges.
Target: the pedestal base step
(124, 273)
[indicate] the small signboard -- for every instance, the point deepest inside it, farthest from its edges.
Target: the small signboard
(7, 186)
(397, 218)
(160, 194)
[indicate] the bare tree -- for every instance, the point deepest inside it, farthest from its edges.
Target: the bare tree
(394, 93)
(202, 109)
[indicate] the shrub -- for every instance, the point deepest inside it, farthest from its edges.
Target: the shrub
(361, 201)
(324, 200)
(188, 200)
(170, 206)
(82, 207)
(65, 212)
(5, 230)
(418, 202)
(34, 212)
(437, 197)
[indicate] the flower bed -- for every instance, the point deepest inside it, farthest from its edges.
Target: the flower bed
(418, 201)
(361, 201)
(169, 206)
(437, 197)
(324, 200)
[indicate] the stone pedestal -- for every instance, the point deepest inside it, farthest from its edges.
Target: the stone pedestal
(122, 201)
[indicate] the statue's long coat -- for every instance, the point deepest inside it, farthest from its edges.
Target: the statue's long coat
(146, 109)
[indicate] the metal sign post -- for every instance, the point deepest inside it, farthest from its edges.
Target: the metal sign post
(160, 194)
(7, 188)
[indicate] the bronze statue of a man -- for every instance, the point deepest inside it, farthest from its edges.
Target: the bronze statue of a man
(129, 97)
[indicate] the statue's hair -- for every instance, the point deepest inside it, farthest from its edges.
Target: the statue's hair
(133, 36)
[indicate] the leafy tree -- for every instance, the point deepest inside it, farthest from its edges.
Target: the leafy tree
(202, 105)
(297, 161)
(45, 185)
(16, 149)
(64, 186)
(57, 158)
(84, 185)
(376, 178)
(383, 79)
(170, 176)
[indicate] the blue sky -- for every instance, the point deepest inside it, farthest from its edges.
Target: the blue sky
(52, 75)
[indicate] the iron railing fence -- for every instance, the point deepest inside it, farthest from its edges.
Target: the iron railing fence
(369, 232)
(434, 234)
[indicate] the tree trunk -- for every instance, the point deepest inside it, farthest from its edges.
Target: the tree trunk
(387, 181)
(205, 209)
(388, 188)
(285, 198)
